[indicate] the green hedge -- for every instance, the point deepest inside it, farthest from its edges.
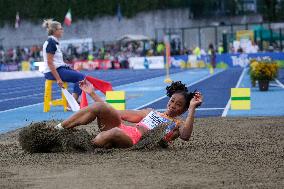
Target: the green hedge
(36, 10)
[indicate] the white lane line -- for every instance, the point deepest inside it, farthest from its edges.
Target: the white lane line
(279, 83)
(156, 100)
(241, 78)
(145, 80)
(225, 112)
(19, 91)
(21, 87)
(22, 107)
(23, 97)
(199, 109)
(17, 98)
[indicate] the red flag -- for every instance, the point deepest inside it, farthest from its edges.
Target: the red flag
(84, 101)
(101, 85)
(68, 18)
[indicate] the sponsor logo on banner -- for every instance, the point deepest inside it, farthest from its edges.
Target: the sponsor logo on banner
(92, 64)
(242, 60)
(153, 62)
(9, 67)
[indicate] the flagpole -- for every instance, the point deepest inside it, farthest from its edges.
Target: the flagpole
(168, 59)
(119, 15)
(17, 22)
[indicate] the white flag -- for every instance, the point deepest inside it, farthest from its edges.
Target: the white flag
(17, 22)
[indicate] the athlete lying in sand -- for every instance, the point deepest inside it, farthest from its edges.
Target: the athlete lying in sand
(114, 133)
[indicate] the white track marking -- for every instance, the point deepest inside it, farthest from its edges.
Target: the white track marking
(225, 112)
(279, 83)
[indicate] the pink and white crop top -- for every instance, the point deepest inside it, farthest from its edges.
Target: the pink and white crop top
(154, 118)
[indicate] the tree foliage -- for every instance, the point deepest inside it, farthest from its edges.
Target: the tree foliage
(36, 10)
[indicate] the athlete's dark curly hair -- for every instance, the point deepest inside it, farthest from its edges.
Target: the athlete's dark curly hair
(179, 87)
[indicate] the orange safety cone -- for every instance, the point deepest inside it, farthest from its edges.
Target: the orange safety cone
(101, 85)
(84, 101)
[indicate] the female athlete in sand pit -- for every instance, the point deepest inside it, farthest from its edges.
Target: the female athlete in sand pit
(114, 133)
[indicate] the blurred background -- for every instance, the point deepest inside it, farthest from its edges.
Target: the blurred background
(108, 33)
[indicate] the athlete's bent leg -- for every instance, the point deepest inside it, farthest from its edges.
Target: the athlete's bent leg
(114, 137)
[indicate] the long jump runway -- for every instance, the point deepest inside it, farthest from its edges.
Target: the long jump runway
(21, 100)
(23, 92)
(215, 90)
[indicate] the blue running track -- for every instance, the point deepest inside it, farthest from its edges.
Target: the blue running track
(24, 92)
(21, 100)
(215, 90)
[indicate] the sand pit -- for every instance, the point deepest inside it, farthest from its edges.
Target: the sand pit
(222, 153)
(40, 137)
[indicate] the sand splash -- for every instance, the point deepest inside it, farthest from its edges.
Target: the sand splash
(152, 139)
(39, 137)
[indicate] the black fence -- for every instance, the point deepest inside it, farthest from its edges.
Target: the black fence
(268, 36)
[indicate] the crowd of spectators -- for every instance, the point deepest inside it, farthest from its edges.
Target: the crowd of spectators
(113, 51)
(19, 54)
(119, 52)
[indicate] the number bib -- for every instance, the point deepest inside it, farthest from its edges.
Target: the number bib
(153, 119)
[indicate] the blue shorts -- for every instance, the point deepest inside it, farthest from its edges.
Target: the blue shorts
(68, 75)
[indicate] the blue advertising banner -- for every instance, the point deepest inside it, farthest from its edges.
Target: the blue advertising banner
(232, 60)
(243, 60)
(9, 67)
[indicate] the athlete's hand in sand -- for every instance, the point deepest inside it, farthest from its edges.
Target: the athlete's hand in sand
(86, 86)
(196, 100)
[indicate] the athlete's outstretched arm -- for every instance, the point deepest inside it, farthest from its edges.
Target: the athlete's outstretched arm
(134, 116)
(88, 88)
(186, 129)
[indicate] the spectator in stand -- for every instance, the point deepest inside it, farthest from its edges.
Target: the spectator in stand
(160, 48)
(197, 51)
(2, 55)
(220, 49)
(240, 50)
(212, 54)
(55, 67)
(122, 58)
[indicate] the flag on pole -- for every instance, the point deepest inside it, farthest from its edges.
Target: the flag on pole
(84, 101)
(68, 18)
(168, 62)
(17, 22)
(101, 85)
(119, 15)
